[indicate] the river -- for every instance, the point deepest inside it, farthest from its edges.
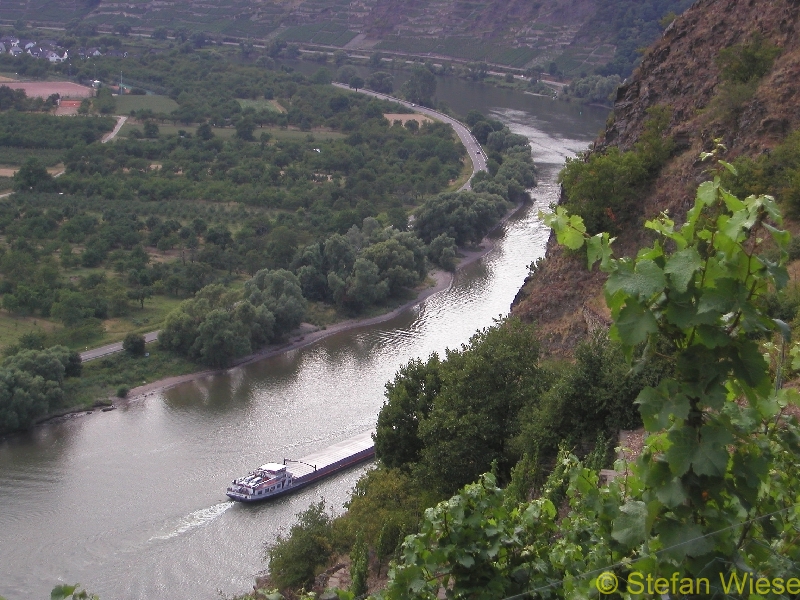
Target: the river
(131, 503)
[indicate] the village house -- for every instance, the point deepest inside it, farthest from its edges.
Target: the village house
(46, 50)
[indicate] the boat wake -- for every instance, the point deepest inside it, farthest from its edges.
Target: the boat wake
(196, 519)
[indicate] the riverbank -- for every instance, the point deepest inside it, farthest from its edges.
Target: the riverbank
(305, 336)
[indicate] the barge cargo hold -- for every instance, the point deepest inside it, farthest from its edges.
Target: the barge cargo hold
(274, 479)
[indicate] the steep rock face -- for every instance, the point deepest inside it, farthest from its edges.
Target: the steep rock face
(679, 71)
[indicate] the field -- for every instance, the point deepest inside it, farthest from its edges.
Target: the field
(461, 47)
(44, 89)
(17, 156)
(392, 117)
(329, 34)
(9, 172)
(12, 327)
(229, 132)
(261, 105)
(158, 104)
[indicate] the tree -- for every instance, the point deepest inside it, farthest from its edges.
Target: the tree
(140, 294)
(71, 308)
(104, 101)
(293, 560)
(380, 81)
(356, 82)
(245, 128)
(220, 339)
(204, 132)
(346, 74)
(421, 86)
(359, 566)
(134, 344)
(31, 384)
(280, 292)
(150, 129)
(409, 399)
(33, 176)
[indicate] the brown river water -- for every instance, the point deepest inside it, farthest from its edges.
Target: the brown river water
(132, 504)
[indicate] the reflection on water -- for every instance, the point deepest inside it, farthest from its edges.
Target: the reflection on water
(131, 503)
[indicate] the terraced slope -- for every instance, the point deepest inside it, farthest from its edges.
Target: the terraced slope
(576, 34)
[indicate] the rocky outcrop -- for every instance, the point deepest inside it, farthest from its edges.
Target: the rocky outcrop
(678, 71)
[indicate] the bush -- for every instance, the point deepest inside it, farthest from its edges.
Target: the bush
(293, 560)
(134, 344)
(122, 391)
(745, 62)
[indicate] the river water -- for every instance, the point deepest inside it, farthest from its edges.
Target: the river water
(131, 503)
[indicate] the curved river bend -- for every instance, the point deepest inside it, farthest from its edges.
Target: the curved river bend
(131, 503)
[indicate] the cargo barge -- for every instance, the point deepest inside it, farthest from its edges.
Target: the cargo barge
(275, 479)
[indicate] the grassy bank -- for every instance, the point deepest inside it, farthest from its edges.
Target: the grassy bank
(104, 377)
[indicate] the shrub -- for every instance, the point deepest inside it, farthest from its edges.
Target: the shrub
(745, 62)
(134, 344)
(122, 391)
(293, 560)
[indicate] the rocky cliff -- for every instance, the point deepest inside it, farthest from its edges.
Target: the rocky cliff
(679, 71)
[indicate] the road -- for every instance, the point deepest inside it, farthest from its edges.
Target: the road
(110, 136)
(469, 141)
(113, 348)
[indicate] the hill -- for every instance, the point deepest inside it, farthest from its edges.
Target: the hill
(684, 72)
(577, 35)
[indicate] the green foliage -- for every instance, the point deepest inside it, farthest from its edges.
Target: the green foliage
(465, 217)
(595, 394)
(33, 176)
(776, 173)
(215, 327)
(31, 384)
(104, 101)
(359, 566)
(712, 495)
(384, 503)
(446, 421)
(743, 63)
(442, 251)
(73, 592)
(420, 87)
(293, 560)
(703, 301)
(134, 344)
(380, 81)
(602, 188)
(122, 391)
(456, 550)
(26, 130)
(593, 89)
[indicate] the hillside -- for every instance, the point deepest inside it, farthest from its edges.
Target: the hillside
(680, 72)
(515, 33)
